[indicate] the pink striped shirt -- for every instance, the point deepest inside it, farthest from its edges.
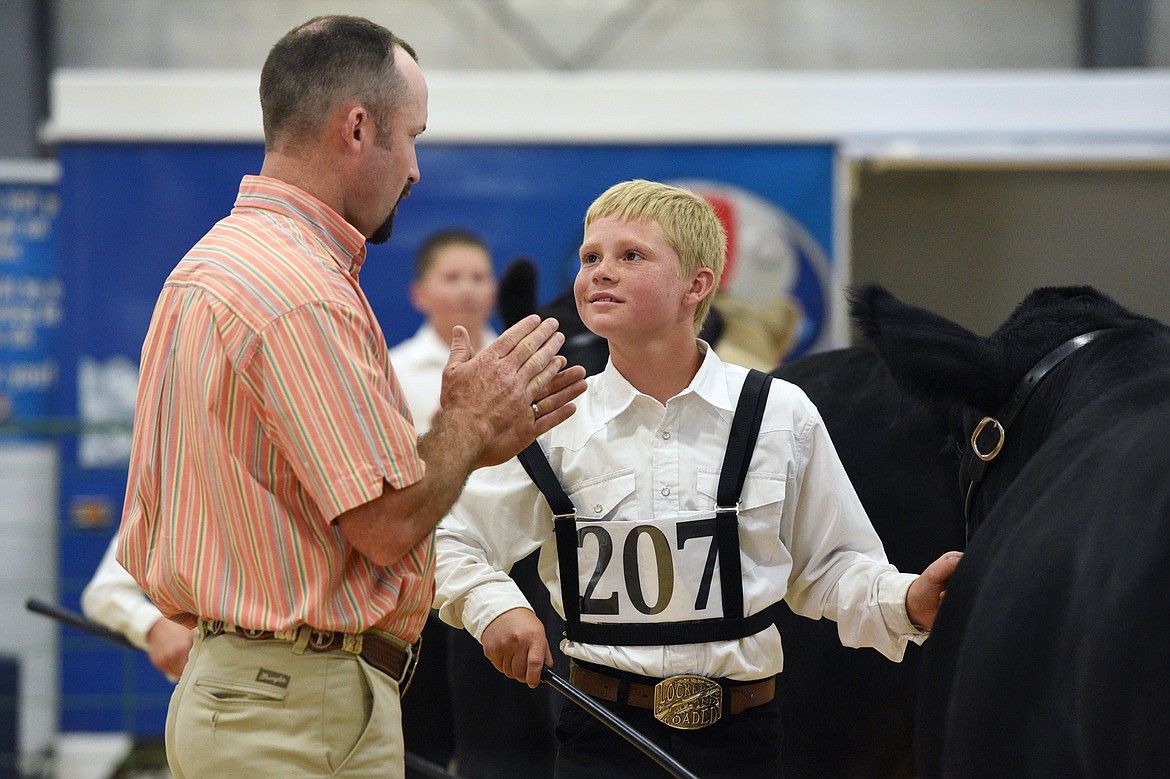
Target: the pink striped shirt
(267, 407)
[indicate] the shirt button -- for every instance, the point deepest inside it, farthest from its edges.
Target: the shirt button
(666, 435)
(665, 491)
(596, 508)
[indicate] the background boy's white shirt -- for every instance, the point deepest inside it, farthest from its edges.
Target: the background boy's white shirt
(114, 600)
(804, 534)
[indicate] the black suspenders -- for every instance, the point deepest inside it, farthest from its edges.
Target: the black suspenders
(745, 427)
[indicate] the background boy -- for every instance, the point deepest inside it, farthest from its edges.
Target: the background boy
(454, 285)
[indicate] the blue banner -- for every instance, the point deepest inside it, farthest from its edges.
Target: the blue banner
(130, 211)
(30, 295)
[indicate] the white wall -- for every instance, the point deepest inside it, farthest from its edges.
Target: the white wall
(28, 527)
(595, 34)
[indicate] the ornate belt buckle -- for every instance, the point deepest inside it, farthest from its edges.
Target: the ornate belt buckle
(321, 640)
(688, 702)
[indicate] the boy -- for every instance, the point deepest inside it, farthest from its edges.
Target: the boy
(668, 614)
(453, 284)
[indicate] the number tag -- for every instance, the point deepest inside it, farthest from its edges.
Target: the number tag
(660, 570)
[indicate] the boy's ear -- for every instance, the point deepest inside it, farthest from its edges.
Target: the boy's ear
(702, 284)
(416, 299)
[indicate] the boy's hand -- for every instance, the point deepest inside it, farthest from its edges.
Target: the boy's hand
(516, 644)
(167, 645)
(927, 591)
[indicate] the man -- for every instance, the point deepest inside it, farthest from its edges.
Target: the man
(278, 499)
(667, 600)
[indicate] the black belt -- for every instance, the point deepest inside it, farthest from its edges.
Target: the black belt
(395, 659)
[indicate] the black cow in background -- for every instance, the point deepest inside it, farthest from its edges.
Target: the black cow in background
(1050, 656)
(847, 712)
(850, 712)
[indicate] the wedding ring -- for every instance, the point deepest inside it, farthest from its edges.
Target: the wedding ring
(535, 413)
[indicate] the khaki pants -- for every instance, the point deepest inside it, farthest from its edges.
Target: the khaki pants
(259, 709)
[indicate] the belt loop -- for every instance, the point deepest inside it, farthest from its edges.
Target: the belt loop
(623, 690)
(412, 652)
(301, 642)
(352, 643)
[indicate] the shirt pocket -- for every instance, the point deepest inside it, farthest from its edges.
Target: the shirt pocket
(761, 504)
(605, 497)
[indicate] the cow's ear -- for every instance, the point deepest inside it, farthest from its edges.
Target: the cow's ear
(928, 355)
(516, 295)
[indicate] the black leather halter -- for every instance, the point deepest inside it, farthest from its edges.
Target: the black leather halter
(976, 458)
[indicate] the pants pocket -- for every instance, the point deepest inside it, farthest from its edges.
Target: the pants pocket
(362, 719)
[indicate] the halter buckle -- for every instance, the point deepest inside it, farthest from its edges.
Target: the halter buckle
(988, 456)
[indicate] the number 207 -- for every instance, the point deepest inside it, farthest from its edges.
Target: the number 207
(664, 561)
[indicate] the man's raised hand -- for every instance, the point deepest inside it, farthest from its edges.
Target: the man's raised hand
(517, 388)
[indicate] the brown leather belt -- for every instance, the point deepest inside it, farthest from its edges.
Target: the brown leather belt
(395, 659)
(730, 697)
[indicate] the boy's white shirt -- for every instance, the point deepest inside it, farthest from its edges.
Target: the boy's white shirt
(804, 535)
(114, 600)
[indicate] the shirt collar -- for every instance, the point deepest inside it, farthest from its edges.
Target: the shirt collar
(709, 385)
(341, 239)
(435, 345)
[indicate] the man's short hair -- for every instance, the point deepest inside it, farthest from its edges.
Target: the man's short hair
(687, 221)
(424, 260)
(320, 64)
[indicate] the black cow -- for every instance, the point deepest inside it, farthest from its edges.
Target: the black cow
(1051, 653)
(850, 712)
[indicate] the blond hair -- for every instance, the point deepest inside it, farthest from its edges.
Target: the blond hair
(686, 221)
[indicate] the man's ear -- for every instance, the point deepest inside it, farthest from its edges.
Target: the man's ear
(356, 127)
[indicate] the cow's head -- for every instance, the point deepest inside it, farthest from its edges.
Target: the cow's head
(973, 377)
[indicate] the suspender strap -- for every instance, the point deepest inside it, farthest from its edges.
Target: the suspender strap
(536, 464)
(700, 631)
(565, 530)
(745, 427)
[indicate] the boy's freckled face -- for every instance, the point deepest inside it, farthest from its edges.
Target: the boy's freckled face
(628, 284)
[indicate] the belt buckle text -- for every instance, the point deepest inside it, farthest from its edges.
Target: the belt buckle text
(688, 702)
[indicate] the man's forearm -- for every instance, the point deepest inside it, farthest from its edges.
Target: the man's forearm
(388, 527)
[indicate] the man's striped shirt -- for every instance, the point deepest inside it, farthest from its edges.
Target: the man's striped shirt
(267, 407)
